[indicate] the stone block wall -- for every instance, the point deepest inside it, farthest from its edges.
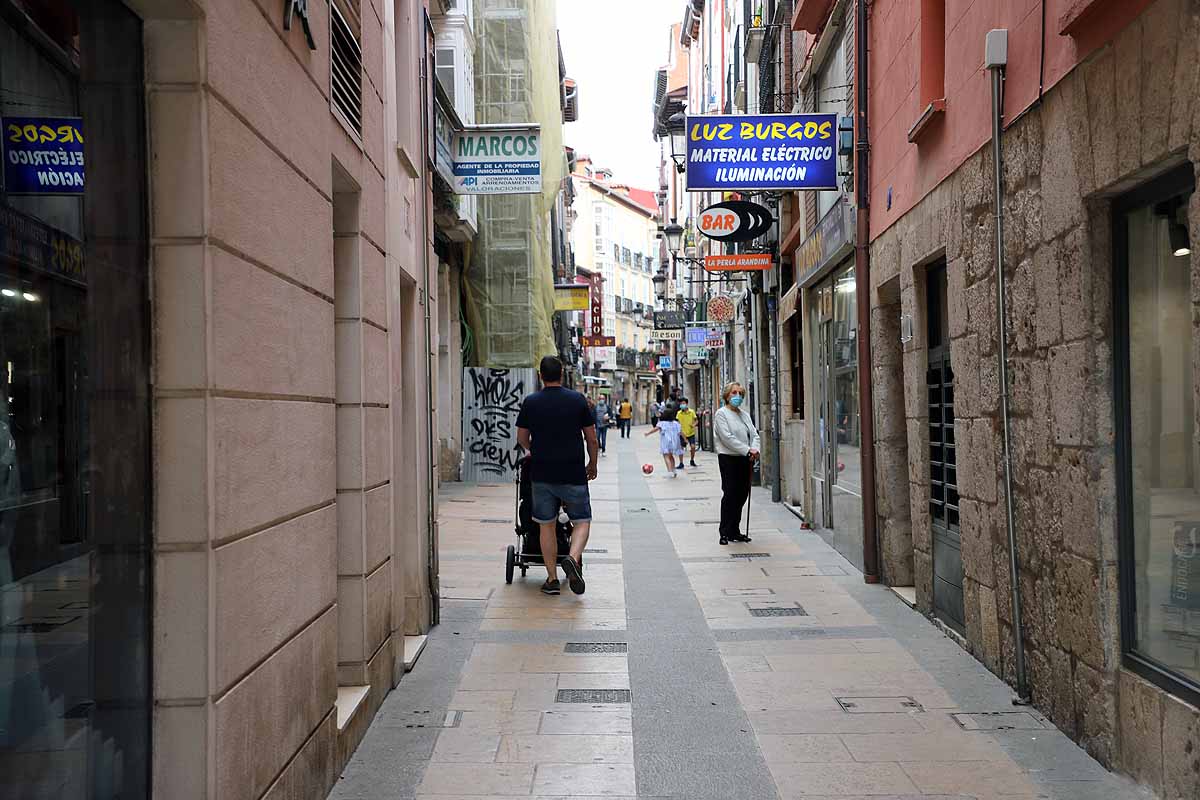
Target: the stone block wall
(275, 305)
(1127, 113)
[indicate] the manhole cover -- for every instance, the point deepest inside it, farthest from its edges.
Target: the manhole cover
(596, 647)
(592, 696)
(749, 555)
(879, 705)
(998, 721)
(778, 612)
(747, 592)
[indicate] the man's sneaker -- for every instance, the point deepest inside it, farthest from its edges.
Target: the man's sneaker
(693, 463)
(680, 466)
(574, 575)
(550, 587)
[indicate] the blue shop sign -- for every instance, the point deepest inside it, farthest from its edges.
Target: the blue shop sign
(769, 152)
(42, 155)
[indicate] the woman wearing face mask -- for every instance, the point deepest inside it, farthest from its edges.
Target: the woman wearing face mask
(737, 450)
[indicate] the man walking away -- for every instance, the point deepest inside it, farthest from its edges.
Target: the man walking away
(655, 409)
(554, 425)
(686, 416)
(625, 417)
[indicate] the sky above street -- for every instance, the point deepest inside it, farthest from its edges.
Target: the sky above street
(612, 50)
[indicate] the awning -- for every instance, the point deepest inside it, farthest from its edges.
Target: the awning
(810, 14)
(788, 303)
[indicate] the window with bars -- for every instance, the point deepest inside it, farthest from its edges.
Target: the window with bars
(345, 59)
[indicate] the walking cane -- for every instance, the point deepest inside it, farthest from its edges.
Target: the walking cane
(748, 496)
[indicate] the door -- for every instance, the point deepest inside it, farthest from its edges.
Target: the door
(943, 459)
(824, 445)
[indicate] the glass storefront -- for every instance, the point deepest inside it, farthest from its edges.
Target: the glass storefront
(837, 463)
(74, 404)
(1156, 415)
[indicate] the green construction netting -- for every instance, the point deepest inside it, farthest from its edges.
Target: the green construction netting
(508, 286)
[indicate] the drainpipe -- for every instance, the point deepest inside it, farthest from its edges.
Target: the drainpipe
(996, 58)
(426, 223)
(862, 287)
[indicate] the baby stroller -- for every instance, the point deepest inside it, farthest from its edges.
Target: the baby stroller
(527, 551)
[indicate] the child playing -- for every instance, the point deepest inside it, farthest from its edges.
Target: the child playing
(670, 438)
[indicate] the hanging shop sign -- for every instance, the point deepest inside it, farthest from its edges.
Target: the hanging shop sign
(42, 155)
(595, 336)
(697, 354)
(739, 262)
(721, 308)
(695, 337)
(734, 221)
(571, 297)
(668, 320)
(443, 142)
(715, 340)
(769, 152)
(826, 246)
(498, 159)
(34, 245)
(664, 362)
(669, 335)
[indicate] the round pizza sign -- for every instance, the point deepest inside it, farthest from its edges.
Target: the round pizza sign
(721, 309)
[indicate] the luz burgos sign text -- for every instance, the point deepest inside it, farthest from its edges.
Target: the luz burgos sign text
(42, 155)
(769, 152)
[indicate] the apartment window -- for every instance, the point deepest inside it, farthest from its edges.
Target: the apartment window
(345, 65)
(444, 69)
(1158, 475)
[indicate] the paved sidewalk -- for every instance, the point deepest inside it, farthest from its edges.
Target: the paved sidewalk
(776, 675)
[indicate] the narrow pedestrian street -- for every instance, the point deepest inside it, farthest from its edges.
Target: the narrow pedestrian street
(693, 670)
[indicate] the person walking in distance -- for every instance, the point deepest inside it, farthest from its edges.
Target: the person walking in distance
(555, 425)
(655, 409)
(670, 440)
(603, 420)
(686, 416)
(625, 417)
(737, 450)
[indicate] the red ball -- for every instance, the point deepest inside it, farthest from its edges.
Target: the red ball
(841, 466)
(647, 468)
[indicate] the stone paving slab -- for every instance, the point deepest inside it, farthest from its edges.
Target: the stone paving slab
(854, 700)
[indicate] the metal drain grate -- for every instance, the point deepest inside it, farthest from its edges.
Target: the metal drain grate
(748, 592)
(495, 521)
(592, 696)
(610, 648)
(706, 522)
(794, 611)
(749, 555)
(594, 550)
(998, 721)
(425, 719)
(880, 705)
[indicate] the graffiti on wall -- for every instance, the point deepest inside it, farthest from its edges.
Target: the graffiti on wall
(491, 400)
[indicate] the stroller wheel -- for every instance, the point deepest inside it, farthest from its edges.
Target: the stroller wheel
(510, 562)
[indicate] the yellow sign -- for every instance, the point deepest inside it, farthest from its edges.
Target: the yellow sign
(571, 297)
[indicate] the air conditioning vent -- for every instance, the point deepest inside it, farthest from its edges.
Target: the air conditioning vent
(345, 70)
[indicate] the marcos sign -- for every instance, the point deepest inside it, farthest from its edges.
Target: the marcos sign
(498, 159)
(768, 152)
(42, 155)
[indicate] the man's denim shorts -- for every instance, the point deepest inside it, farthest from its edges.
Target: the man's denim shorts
(573, 497)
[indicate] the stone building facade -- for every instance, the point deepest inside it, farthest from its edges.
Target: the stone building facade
(1125, 119)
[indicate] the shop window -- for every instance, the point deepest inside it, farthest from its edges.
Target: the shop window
(1159, 464)
(75, 482)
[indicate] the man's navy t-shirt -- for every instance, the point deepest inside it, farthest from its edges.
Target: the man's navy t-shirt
(555, 418)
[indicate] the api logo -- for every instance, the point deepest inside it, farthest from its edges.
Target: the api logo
(470, 181)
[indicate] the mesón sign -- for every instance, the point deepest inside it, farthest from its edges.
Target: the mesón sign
(768, 152)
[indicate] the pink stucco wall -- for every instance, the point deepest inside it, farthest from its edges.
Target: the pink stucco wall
(911, 170)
